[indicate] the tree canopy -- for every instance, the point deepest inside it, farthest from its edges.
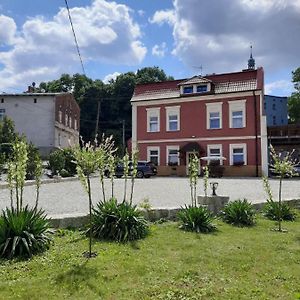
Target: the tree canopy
(294, 99)
(112, 99)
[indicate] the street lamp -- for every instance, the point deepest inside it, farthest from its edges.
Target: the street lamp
(214, 186)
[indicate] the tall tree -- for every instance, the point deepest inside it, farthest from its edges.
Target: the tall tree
(151, 74)
(294, 100)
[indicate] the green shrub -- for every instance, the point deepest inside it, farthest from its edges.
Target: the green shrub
(23, 233)
(64, 173)
(198, 219)
(119, 222)
(33, 157)
(70, 165)
(271, 211)
(56, 161)
(239, 213)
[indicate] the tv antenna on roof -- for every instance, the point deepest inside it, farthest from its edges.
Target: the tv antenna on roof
(200, 68)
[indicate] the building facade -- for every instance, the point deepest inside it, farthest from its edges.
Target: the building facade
(219, 115)
(48, 120)
(276, 110)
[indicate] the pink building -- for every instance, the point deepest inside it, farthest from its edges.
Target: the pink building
(218, 115)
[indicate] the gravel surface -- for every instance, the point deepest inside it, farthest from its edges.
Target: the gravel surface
(163, 192)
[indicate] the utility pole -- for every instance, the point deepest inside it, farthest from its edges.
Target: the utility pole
(123, 131)
(97, 119)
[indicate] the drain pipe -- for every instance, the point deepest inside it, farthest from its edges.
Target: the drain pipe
(256, 135)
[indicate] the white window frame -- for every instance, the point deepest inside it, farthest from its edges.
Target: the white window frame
(153, 112)
(167, 154)
(235, 146)
(75, 124)
(171, 111)
(213, 108)
(189, 86)
(153, 148)
(215, 146)
(239, 105)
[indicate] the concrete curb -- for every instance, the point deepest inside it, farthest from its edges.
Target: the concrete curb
(80, 220)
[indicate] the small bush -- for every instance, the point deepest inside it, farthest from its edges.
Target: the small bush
(23, 233)
(120, 222)
(64, 173)
(56, 162)
(198, 219)
(33, 156)
(70, 165)
(271, 211)
(239, 213)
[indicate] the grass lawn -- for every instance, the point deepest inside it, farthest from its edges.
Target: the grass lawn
(233, 263)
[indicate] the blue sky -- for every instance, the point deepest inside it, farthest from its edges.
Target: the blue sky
(36, 42)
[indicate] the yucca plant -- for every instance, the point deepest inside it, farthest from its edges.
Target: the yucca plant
(198, 219)
(239, 213)
(24, 232)
(286, 213)
(120, 222)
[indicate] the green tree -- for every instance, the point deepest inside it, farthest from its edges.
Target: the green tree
(7, 131)
(151, 74)
(294, 100)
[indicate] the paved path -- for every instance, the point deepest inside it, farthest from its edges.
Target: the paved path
(162, 192)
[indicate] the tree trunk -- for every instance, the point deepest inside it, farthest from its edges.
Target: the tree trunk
(279, 205)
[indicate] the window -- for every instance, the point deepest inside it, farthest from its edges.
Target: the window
(153, 155)
(75, 124)
(153, 119)
(274, 120)
(2, 100)
(201, 88)
(70, 122)
(2, 113)
(274, 106)
(188, 89)
(172, 155)
(173, 118)
(237, 114)
(265, 105)
(214, 151)
(34, 100)
(66, 119)
(238, 154)
(214, 115)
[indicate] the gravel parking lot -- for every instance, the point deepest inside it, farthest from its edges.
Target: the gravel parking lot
(68, 197)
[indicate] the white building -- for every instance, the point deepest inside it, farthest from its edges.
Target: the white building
(48, 120)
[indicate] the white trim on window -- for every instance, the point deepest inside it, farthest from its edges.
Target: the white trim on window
(153, 112)
(153, 148)
(213, 108)
(235, 106)
(215, 146)
(238, 146)
(170, 148)
(172, 111)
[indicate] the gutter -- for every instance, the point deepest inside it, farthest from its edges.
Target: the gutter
(256, 135)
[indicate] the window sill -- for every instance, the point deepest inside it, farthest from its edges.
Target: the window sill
(152, 131)
(173, 130)
(214, 128)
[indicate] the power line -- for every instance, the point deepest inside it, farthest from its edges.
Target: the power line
(76, 43)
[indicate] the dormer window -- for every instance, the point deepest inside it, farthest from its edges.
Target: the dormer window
(201, 88)
(188, 89)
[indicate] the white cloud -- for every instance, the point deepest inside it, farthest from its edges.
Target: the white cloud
(110, 77)
(217, 34)
(282, 87)
(159, 50)
(141, 12)
(43, 49)
(163, 16)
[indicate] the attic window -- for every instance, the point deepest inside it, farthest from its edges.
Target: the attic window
(2, 100)
(188, 89)
(34, 100)
(201, 88)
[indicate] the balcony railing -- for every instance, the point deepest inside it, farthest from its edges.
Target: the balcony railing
(287, 131)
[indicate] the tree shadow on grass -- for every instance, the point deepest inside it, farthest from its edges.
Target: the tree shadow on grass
(77, 275)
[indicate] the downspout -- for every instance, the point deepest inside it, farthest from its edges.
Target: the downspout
(256, 135)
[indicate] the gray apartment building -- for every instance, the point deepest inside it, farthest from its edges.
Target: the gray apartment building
(48, 120)
(276, 110)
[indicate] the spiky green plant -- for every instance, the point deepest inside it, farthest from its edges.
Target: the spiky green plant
(205, 180)
(198, 219)
(271, 211)
(87, 160)
(239, 213)
(121, 222)
(23, 232)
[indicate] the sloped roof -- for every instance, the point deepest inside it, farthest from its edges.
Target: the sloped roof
(248, 80)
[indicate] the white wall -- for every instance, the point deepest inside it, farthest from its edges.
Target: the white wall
(35, 120)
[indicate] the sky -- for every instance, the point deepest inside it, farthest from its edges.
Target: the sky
(183, 37)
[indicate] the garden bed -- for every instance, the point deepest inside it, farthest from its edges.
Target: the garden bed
(232, 263)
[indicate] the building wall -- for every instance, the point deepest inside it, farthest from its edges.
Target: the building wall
(276, 110)
(33, 116)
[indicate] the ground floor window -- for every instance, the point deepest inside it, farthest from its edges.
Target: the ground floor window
(2, 114)
(172, 155)
(153, 155)
(238, 154)
(215, 151)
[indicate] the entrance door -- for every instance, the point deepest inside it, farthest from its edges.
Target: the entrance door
(189, 155)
